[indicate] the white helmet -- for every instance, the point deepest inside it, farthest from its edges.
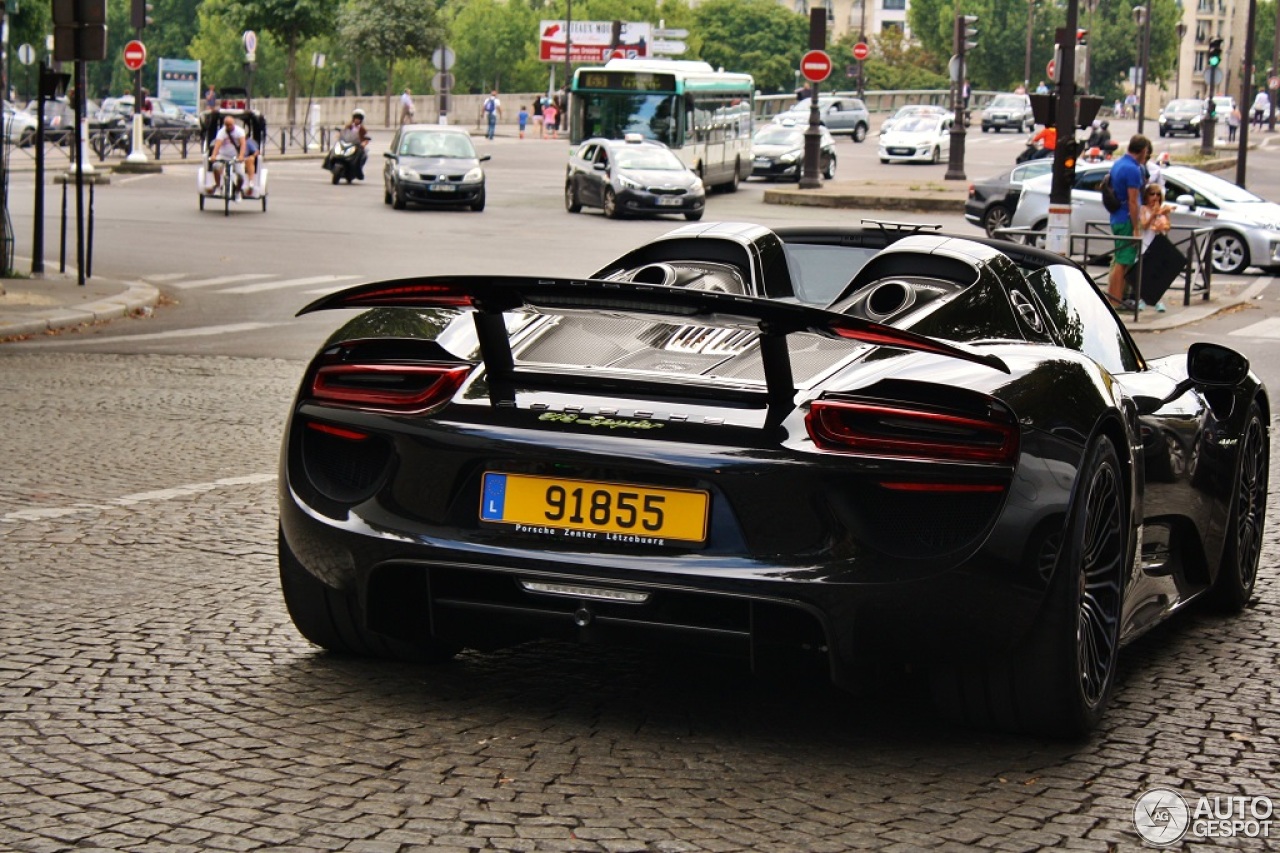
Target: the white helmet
(358, 114)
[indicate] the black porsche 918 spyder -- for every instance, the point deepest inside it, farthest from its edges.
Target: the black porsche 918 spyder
(821, 445)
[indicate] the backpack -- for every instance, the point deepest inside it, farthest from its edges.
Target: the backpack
(488, 105)
(1110, 200)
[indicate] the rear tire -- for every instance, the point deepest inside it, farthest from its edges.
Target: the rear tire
(859, 133)
(1059, 680)
(830, 172)
(997, 216)
(1233, 587)
(333, 620)
(571, 202)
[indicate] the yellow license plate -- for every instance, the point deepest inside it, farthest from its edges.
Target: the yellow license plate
(605, 511)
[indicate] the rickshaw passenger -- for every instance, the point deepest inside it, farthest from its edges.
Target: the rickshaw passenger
(228, 144)
(250, 163)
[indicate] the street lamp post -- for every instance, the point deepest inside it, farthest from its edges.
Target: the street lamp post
(1026, 68)
(1181, 30)
(1142, 16)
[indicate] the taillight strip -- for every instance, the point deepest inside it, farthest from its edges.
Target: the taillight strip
(893, 429)
(337, 431)
(426, 386)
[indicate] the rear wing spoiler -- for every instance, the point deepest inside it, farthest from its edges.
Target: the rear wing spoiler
(492, 296)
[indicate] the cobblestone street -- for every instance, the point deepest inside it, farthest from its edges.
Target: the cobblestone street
(154, 695)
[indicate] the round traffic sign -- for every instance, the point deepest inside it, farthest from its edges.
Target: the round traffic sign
(135, 55)
(815, 66)
(1273, 83)
(27, 54)
(861, 51)
(1050, 70)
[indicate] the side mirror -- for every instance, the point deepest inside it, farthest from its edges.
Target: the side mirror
(600, 167)
(484, 157)
(390, 155)
(1215, 366)
(1186, 201)
(1210, 367)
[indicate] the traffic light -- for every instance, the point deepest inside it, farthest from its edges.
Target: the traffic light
(1215, 51)
(140, 14)
(966, 36)
(1082, 37)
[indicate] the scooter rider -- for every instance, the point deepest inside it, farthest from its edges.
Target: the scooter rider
(1100, 138)
(355, 132)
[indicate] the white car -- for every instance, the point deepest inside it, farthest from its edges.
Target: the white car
(1246, 228)
(19, 125)
(917, 139)
(911, 110)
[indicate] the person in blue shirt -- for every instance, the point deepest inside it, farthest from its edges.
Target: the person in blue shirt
(1127, 178)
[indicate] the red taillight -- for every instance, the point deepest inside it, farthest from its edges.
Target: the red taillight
(404, 294)
(399, 387)
(337, 431)
(896, 429)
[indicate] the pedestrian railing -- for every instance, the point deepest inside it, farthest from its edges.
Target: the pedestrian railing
(180, 143)
(1097, 246)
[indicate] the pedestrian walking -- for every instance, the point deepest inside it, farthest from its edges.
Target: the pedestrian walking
(492, 110)
(550, 115)
(406, 106)
(1233, 124)
(1261, 107)
(537, 116)
(522, 118)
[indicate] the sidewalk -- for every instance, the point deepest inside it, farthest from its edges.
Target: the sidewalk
(38, 306)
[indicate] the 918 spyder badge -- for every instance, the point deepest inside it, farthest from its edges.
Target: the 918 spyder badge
(598, 421)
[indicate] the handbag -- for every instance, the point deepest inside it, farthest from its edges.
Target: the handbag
(1162, 263)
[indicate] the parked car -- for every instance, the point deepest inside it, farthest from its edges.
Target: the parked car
(1010, 110)
(840, 115)
(164, 115)
(912, 110)
(920, 139)
(59, 117)
(805, 449)
(19, 125)
(1182, 115)
(991, 201)
(1246, 228)
(432, 164)
(777, 152)
(632, 176)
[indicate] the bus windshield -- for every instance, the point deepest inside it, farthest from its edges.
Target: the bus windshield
(613, 115)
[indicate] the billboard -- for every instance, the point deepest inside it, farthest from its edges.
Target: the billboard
(592, 41)
(180, 82)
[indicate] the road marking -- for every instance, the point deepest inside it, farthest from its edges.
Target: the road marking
(200, 332)
(49, 513)
(165, 278)
(290, 282)
(222, 279)
(1269, 328)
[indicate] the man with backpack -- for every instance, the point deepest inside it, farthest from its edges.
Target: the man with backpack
(492, 109)
(1122, 196)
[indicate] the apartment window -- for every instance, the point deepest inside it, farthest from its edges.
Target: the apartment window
(895, 5)
(891, 27)
(1200, 57)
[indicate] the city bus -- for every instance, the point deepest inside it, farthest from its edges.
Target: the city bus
(703, 115)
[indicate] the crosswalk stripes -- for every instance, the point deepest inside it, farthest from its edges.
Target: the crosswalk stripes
(1269, 328)
(250, 283)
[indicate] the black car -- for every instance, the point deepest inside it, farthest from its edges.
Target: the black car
(833, 449)
(632, 176)
(777, 152)
(433, 164)
(992, 201)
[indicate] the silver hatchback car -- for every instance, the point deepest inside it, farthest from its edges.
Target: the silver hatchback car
(1246, 228)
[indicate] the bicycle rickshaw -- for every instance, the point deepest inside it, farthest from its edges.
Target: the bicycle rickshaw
(233, 184)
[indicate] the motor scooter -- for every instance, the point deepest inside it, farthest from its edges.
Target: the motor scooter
(344, 160)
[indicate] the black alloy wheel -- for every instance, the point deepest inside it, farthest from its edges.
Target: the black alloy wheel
(1238, 573)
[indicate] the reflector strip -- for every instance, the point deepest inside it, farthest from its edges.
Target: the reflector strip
(339, 432)
(576, 591)
(944, 487)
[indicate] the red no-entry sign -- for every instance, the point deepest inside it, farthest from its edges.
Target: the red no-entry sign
(815, 66)
(135, 55)
(861, 51)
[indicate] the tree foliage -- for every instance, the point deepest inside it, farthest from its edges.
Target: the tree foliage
(290, 23)
(759, 37)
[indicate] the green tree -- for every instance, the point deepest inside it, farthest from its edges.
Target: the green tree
(758, 37)
(290, 23)
(389, 30)
(496, 44)
(894, 63)
(217, 44)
